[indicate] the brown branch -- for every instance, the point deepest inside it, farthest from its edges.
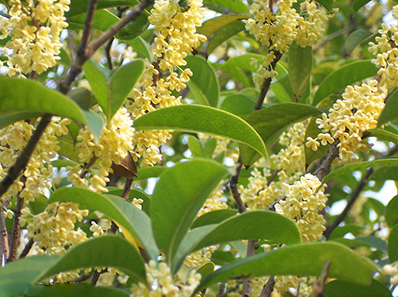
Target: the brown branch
(319, 285)
(3, 239)
(268, 288)
(267, 82)
(26, 249)
(16, 230)
(81, 278)
(108, 48)
(233, 184)
(127, 188)
(323, 169)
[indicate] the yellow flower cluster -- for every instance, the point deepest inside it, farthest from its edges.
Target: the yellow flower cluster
(386, 51)
(101, 228)
(392, 271)
(175, 38)
(34, 27)
(303, 201)
(39, 172)
(349, 118)
(114, 144)
(289, 163)
(279, 30)
(162, 283)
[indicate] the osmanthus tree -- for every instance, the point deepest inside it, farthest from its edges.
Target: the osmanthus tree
(164, 148)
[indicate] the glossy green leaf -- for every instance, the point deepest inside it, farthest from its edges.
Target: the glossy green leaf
(126, 214)
(357, 4)
(213, 217)
(17, 276)
(376, 242)
(76, 290)
(181, 191)
(238, 104)
(300, 66)
(95, 123)
(210, 26)
(237, 5)
(121, 83)
(149, 172)
(270, 122)
(203, 84)
(384, 134)
(135, 193)
(11, 119)
(209, 148)
(195, 146)
(196, 118)
(206, 269)
(111, 88)
(103, 20)
(245, 226)
(82, 97)
(134, 29)
(301, 259)
(283, 90)
(392, 212)
(343, 230)
(141, 47)
(80, 6)
(224, 33)
(338, 288)
(393, 245)
(361, 165)
(354, 39)
(27, 96)
(340, 78)
(389, 112)
(107, 250)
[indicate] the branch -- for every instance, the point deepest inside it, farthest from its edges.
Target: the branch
(319, 285)
(233, 184)
(27, 249)
(268, 287)
(3, 238)
(267, 82)
(16, 231)
(333, 152)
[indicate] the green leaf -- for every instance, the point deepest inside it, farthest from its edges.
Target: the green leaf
(95, 123)
(389, 112)
(340, 78)
(206, 269)
(343, 230)
(354, 39)
(245, 226)
(213, 217)
(196, 118)
(376, 242)
(237, 5)
(384, 134)
(103, 20)
(181, 191)
(224, 33)
(111, 88)
(27, 96)
(135, 193)
(300, 66)
(80, 6)
(76, 290)
(134, 29)
(283, 90)
(210, 26)
(302, 259)
(393, 244)
(13, 118)
(82, 97)
(357, 4)
(338, 288)
(270, 122)
(126, 214)
(107, 250)
(195, 147)
(121, 83)
(238, 104)
(392, 212)
(203, 84)
(17, 276)
(328, 4)
(361, 165)
(145, 173)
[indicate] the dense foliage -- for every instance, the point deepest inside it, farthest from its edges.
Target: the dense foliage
(189, 148)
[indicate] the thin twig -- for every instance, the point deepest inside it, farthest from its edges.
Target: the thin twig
(233, 184)
(332, 154)
(108, 48)
(16, 231)
(81, 278)
(3, 239)
(267, 82)
(26, 249)
(268, 288)
(319, 285)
